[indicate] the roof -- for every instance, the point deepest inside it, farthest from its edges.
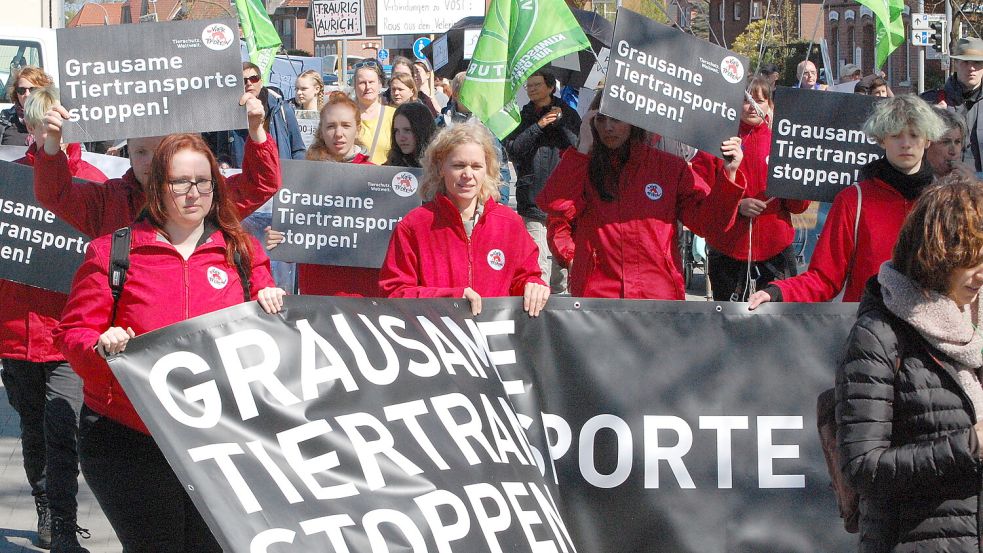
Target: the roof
(167, 10)
(97, 14)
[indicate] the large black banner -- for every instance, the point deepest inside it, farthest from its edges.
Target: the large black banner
(672, 83)
(36, 248)
(677, 426)
(150, 79)
(341, 213)
(818, 145)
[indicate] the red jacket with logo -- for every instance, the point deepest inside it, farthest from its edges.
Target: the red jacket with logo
(628, 247)
(430, 254)
(203, 283)
(773, 230)
(337, 280)
(882, 212)
(29, 314)
(99, 208)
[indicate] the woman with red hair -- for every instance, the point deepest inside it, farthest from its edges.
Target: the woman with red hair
(188, 247)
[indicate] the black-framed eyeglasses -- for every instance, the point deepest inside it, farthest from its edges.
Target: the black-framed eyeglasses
(181, 187)
(252, 79)
(21, 90)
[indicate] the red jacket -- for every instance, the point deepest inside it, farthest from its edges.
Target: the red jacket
(156, 271)
(628, 248)
(100, 208)
(29, 314)
(430, 254)
(883, 210)
(773, 230)
(337, 280)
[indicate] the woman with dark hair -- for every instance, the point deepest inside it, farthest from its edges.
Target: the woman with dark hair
(462, 243)
(909, 400)
(413, 128)
(758, 248)
(616, 190)
(13, 128)
(864, 221)
(188, 249)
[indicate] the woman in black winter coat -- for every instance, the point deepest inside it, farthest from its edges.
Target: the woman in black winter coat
(909, 400)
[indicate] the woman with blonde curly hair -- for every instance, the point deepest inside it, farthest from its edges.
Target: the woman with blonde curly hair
(462, 243)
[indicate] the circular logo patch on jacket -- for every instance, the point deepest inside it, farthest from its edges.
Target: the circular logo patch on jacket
(217, 278)
(653, 191)
(496, 259)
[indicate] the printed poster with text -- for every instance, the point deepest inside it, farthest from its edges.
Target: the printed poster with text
(674, 84)
(399, 17)
(341, 213)
(818, 145)
(36, 248)
(338, 19)
(150, 79)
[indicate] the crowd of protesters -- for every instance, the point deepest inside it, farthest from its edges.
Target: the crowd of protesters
(599, 208)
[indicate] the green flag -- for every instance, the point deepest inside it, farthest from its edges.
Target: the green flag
(890, 26)
(519, 37)
(262, 40)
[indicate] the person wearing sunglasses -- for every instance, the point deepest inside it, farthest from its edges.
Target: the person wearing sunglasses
(13, 129)
(40, 384)
(377, 118)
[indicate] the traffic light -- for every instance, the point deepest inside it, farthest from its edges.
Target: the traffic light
(937, 35)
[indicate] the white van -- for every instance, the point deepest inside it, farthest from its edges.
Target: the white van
(20, 46)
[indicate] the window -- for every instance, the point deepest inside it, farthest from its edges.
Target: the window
(756, 11)
(606, 8)
(15, 54)
(737, 10)
(285, 28)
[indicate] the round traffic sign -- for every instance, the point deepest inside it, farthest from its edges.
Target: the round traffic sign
(418, 46)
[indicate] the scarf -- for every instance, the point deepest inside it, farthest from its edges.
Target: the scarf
(957, 95)
(909, 186)
(944, 325)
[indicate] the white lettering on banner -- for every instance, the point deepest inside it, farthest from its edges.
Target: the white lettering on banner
(785, 133)
(206, 393)
(560, 438)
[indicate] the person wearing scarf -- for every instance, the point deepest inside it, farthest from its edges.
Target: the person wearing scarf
(909, 400)
(962, 93)
(845, 258)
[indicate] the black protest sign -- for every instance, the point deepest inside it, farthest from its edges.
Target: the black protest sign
(36, 248)
(341, 213)
(817, 143)
(339, 425)
(672, 83)
(681, 426)
(150, 79)
(337, 19)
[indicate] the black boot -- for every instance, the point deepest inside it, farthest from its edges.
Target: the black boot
(64, 538)
(44, 521)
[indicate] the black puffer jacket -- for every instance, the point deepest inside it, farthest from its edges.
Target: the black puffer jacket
(535, 152)
(907, 438)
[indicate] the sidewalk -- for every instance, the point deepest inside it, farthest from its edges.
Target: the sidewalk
(18, 519)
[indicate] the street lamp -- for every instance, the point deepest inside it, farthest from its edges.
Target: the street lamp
(105, 17)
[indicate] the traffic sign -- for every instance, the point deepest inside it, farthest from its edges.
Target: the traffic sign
(418, 47)
(921, 37)
(923, 21)
(383, 54)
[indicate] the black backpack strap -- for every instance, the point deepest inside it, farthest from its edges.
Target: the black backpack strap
(243, 277)
(119, 264)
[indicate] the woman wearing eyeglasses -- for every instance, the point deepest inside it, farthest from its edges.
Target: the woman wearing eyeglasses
(13, 129)
(189, 248)
(377, 119)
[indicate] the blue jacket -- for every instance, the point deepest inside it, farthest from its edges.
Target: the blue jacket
(281, 124)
